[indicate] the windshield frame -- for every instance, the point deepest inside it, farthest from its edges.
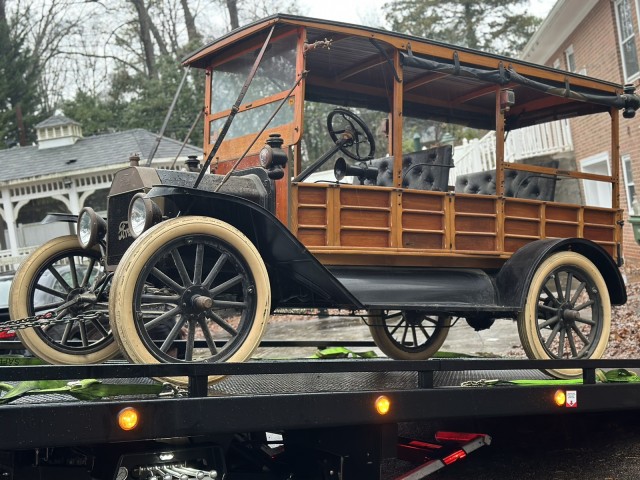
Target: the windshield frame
(233, 146)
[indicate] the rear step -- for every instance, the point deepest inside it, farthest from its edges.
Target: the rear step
(450, 447)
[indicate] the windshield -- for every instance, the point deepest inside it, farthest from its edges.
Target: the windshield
(273, 79)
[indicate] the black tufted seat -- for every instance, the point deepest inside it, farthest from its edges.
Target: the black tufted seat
(422, 170)
(517, 184)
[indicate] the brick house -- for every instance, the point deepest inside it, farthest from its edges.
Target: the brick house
(598, 38)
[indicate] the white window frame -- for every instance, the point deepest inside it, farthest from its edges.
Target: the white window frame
(569, 58)
(594, 189)
(628, 182)
(622, 41)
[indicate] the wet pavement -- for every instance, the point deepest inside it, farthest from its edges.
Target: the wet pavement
(496, 341)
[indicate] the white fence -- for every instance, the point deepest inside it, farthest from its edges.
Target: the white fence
(9, 262)
(480, 154)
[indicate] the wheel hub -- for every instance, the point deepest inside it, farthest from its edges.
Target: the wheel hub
(80, 298)
(413, 318)
(195, 300)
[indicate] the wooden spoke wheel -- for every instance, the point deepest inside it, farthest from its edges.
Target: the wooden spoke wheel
(190, 289)
(63, 277)
(408, 334)
(567, 312)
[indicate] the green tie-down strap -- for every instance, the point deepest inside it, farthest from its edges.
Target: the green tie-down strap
(342, 352)
(619, 375)
(88, 389)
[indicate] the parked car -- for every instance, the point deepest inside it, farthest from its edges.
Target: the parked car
(5, 285)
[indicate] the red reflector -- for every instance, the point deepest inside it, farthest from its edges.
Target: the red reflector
(457, 437)
(7, 335)
(455, 456)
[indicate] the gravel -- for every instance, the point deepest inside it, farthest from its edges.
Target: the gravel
(624, 339)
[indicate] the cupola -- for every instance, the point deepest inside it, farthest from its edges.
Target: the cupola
(58, 131)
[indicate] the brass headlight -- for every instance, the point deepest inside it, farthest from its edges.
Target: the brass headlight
(143, 214)
(91, 227)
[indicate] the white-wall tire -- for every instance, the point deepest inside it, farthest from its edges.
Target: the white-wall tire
(191, 241)
(408, 335)
(567, 312)
(62, 254)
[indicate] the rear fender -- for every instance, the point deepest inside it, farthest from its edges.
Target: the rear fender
(514, 278)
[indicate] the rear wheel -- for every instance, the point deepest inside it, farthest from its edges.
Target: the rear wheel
(62, 277)
(191, 289)
(567, 312)
(408, 334)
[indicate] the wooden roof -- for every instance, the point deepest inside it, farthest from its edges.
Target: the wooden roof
(356, 71)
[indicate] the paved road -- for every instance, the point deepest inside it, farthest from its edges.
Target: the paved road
(497, 340)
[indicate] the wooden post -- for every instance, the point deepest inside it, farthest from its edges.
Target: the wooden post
(396, 122)
(615, 158)
(499, 147)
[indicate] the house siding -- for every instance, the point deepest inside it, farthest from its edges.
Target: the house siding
(596, 50)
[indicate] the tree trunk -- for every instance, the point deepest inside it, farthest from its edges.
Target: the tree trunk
(192, 31)
(232, 6)
(144, 23)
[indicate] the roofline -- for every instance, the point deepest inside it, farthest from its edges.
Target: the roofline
(107, 168)
(568, 7)
(560, 23)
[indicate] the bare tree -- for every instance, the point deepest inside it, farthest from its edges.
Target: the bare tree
(144, 32)
(190, 22)
(232, 6)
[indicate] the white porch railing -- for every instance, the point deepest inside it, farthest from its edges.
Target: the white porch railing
(9, 262)
(480, 154)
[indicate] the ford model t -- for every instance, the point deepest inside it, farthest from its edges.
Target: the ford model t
(189, 266)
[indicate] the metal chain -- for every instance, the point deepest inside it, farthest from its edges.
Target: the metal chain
(45, 320)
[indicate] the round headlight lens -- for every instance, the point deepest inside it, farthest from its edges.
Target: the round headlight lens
(143, 214)
(138, 216)
(84, 229)
(91, 227)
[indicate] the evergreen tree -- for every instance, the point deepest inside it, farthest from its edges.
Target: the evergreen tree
(499, 26)
(20, 105)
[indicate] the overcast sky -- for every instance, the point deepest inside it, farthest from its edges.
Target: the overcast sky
(369, 12)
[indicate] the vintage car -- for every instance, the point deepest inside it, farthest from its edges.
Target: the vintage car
(402, 236)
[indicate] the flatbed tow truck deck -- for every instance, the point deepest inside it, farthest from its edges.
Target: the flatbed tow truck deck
(327, 405)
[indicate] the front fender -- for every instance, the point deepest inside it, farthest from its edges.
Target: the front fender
(296, 276)
(514, 278)
(59, 217)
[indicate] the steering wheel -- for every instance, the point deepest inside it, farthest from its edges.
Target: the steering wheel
(341, 121)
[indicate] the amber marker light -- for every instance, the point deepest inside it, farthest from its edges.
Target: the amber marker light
(128, 418)
(560, 398)
(383, 404)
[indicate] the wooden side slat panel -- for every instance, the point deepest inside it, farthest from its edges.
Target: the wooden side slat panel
(364, 218)
(475, 223)
(312, 216)
(435, 224)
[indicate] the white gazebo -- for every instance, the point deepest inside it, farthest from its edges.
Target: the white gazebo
(63, 173)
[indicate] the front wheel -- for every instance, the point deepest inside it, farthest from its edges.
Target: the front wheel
(62, 277)
(190, 289)
(408, 334)
(567, 312)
